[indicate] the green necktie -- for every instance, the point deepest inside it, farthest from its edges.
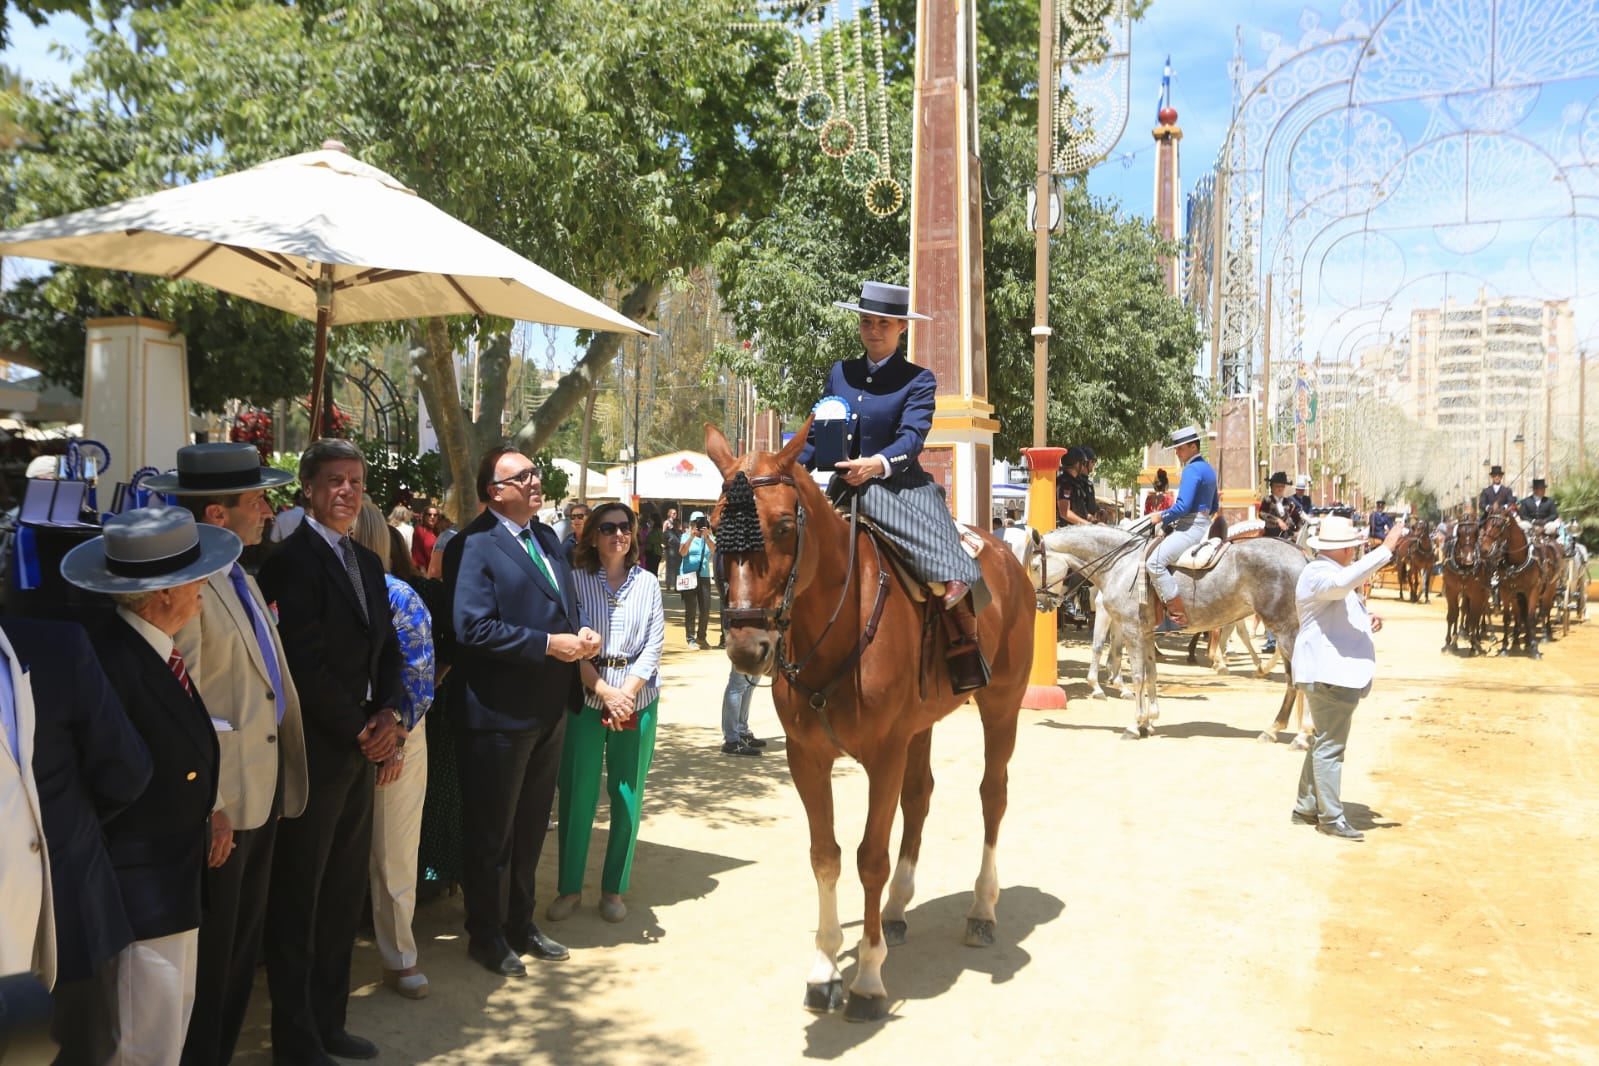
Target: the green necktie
(538, 558)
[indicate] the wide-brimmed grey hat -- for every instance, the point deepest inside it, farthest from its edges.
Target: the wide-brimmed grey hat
(1186, 435)
(149, 549)
(216, 470)
(885, 301)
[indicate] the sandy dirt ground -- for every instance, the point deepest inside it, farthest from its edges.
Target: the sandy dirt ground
(1157, 905)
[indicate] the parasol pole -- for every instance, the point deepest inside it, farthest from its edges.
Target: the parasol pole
(322, 407)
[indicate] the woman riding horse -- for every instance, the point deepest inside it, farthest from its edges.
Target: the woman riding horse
(891, 411)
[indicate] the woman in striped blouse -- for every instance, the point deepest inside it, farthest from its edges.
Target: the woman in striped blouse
(616, 724)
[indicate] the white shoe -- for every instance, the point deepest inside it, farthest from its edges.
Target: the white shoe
(692, 646)
(409, 985)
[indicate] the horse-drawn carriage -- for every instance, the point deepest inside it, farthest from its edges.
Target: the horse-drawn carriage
(1534, 576)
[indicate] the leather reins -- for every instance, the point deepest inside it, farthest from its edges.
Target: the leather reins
(781, 618)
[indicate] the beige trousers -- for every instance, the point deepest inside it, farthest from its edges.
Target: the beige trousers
(396, 835)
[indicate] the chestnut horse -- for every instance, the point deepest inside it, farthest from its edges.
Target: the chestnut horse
(1466, 589)
(857, 669)
(1522, 571)
(1414, 558)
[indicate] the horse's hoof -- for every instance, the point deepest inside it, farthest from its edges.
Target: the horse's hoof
(1097, 694)
(865, 1008)
(1133, 732)
(979, 932)
(1146, 730)
(826, 997)
(1266, 737)
(1300, 743)
(894, 932)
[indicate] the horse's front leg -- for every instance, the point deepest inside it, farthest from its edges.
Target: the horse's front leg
(813, 780)
(1141, 647)
(915, 797)
(1101, 632)
(868, 998)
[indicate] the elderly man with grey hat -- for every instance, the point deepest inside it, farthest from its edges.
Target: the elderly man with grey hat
(236, 658)
(1185, 522)
(152, 562)
(1334, 661)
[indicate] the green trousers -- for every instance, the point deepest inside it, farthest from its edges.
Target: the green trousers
(626, 754)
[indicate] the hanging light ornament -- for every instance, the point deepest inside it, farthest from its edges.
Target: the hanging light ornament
(842, 119)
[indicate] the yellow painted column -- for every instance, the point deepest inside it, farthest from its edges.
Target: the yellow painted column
(1043, 684)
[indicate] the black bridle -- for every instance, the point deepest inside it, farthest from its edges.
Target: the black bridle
(1081, 575)
(780, 618)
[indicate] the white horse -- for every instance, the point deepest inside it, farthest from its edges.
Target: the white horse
(1251, 577)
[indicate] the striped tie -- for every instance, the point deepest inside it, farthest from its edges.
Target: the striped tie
(179, 671)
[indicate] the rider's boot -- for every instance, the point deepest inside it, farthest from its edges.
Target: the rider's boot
(968, 670)
(1175, 612)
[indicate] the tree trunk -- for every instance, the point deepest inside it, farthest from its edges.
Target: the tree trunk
(580, 380)
(434, 360)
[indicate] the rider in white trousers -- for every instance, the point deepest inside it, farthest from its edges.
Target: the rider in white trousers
(1185, 522)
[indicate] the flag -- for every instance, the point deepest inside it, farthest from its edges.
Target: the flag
(1165, 88)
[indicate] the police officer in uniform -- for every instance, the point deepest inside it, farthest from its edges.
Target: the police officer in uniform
(1302, 494)
(1497, 494)
(1280, 511)
(892, 399)
(1538, 508)
(1381, 522)
(1075, 506)
(1185, 522)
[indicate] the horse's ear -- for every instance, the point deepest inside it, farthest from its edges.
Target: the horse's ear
(792, 449)
(719, 450)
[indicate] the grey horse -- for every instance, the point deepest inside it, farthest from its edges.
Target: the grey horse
(1252, 577)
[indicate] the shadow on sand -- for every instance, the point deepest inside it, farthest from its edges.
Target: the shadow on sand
(934, 957)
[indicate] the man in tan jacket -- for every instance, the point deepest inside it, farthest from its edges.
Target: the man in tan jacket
(236, 660)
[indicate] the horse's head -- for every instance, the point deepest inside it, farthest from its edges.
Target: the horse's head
(1499, 539)
(1079, 547)
(1464, 552)
(760, 529)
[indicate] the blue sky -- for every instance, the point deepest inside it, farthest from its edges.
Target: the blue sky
(1198, 35)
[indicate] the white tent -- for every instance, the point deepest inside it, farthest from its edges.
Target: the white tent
(679, 476)
(598, 483)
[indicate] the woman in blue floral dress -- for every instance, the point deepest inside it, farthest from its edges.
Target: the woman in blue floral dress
(401, 781)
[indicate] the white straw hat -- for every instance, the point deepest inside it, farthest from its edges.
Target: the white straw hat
(1336, 532)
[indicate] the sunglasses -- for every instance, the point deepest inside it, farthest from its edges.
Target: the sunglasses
(610, 528)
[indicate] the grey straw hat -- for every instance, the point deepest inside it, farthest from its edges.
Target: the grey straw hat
(216, 470)
(885, 301)
(149, 549)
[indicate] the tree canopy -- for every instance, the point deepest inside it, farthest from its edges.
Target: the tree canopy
(1121, 370)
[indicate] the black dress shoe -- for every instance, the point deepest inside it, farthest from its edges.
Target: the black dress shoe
(538, 945)
(496, 957)
(738, 747)
(752, 741)
(347, 1045)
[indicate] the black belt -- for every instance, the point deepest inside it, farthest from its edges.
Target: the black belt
(613, 661)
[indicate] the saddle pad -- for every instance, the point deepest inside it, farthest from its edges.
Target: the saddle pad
(1201, 556)
(972, 541)
(1244, 530)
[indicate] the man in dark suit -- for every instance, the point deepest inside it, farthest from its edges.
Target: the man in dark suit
(517, 637)
(1497, 494)
(338, 638)
(89, 763)
(1538, 508)
(153, 562)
